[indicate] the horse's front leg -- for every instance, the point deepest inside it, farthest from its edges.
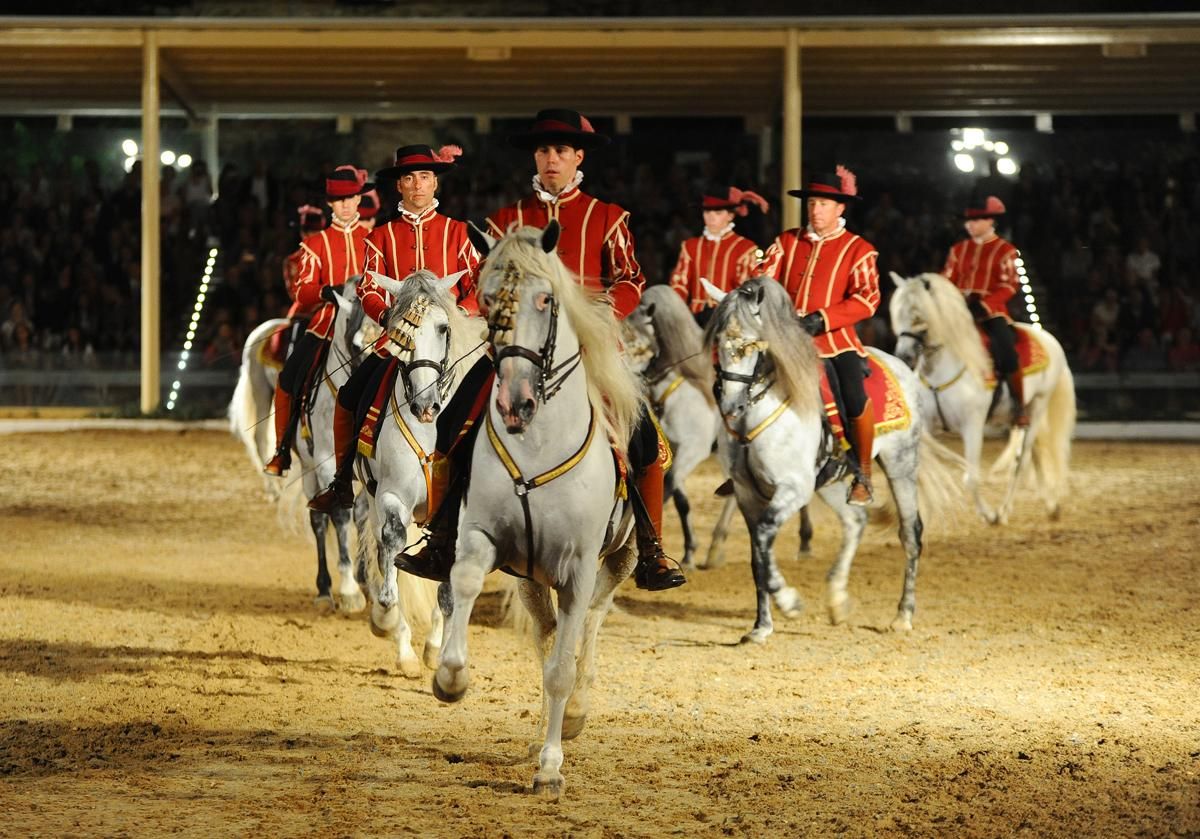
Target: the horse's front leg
(1024, 441)
(716, 547)
(972, 437)
(362, 532)
(558, 674)
(685, 523)
(476, 558)
(769, 584)
(806, 532)
(387, 614)
(350, 599)
(437, 627)
(854, 520)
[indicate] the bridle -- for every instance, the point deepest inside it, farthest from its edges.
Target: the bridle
(404, 336)
(761, 375)
(502, 316)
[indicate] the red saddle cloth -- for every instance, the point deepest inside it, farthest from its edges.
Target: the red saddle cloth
(892, 411)
(1030, 353)
(369, 430)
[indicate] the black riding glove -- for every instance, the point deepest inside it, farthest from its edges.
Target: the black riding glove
(975, 304)
(813, 323)
(329, 293)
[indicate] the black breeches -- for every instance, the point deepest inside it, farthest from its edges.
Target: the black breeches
(364, 380)
(299, 363)
(458, 410)
(850, 371)
(1003, 339)
(643, 444)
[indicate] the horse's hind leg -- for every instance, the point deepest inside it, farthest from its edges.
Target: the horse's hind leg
(1025, 447)
(806, 532)
(854, 520)
(685, 523)
(716, 547)
(324, 599)
(363, 540)
(350, 600)
(904, 490)
(613, 571)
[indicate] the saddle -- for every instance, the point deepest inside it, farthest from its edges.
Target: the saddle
(1031, 355)
(892, 411)
(372, 408)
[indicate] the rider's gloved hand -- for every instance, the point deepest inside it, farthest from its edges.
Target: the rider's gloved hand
(329, 293)
(813, 323)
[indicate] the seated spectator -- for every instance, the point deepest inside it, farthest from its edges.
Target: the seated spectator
(1106, 312)
(17, 319)
(1097, 354)
(1145, 356)
(1144, 263)
(76, 352)
(1184, 355)
(224, 350)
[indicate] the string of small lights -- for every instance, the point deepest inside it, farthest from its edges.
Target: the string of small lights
(201, 294)
(1027, 290)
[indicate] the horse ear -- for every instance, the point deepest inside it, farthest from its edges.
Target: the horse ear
(925, 282)
(897, 280)
(550, 236)
(448, 283)
(650, 311)
(389, 285)
(712, 291)
(480, 240)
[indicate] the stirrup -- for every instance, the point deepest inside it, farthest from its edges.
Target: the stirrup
(655, 570)
(855, 495)
(278, 465)
(430, 562)
(339, 495)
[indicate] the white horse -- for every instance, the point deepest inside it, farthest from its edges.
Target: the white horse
(667, 349)
(543, 500)
(250, 415)
(435, 343)
(936, 334)
(666, 346)
(777, 446)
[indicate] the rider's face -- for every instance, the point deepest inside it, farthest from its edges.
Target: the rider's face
(557, 165)
(417, 190)
(344, 209)
(823, 214)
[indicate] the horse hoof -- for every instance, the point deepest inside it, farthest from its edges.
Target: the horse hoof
(902, 623)
(384, 621)
(444, 695)
(324, 604)
(839, 612)
(1055, 513)
(431, 655)
(353, 603)
(788, 602)
(572, 727)
(409, 668)
(549, 788)
(755, 636)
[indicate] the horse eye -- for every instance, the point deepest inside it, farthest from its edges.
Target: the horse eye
(443, 328)
(543, 301)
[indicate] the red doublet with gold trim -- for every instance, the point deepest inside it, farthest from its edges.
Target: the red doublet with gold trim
(726, 263)
(986, 268)
(595, 243)
(431, 242)
(292, 264)
(330, 257)
(834, 276)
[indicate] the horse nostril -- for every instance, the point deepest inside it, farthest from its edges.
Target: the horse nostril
(526, 409)
(437, 406)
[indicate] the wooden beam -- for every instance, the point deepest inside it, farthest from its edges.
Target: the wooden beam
(151, 299)
(178, 86)
(15, 37)
(789, 207)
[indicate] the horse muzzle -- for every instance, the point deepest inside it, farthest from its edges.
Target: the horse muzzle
(516, 404)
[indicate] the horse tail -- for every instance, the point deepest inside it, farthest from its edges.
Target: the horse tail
(245, 411)
(939, 479)
(1052, 448)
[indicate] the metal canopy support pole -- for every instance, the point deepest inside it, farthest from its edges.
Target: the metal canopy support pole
(790, 140)
(151, 297)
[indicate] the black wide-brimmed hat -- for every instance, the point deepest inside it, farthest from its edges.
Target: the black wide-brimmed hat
(735, 200)
(554, 126)
(840, 185)
(990, 207)
(346, 182)
(419, 158)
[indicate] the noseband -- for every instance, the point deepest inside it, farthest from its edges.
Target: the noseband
(404, 336)
(502, 318)
(759, 376)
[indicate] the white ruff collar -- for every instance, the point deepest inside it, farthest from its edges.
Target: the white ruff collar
(811, 234)
(416, 217)
(335, 222)
(546, 198)
(721, 234)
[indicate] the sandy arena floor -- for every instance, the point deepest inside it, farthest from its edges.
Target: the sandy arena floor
(162, 670)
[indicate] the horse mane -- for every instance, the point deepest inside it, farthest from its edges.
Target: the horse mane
(612, 389)
(950, 323)
(797, 365)
(464, 332)
(680, 339)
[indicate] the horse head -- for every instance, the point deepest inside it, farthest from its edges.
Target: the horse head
(522, 305)
(420, 324)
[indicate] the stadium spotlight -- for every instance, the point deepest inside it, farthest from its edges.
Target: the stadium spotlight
(972, 137)
(1000, 147)
(130, 148)
(957, 145)
(1006, 166)
(184, 160)
(964, 162)
(129, 161)
(167, 157)
(201, 295)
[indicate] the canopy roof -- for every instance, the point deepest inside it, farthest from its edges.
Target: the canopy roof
(393, 67)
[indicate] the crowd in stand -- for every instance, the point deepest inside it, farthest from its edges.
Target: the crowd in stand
(1110, 243)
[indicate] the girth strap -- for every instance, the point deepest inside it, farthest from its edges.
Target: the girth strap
(521, 486)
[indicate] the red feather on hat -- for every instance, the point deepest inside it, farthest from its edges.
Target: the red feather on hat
(586, 125)
(447, 154)
(742, 197)
(849, 180)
